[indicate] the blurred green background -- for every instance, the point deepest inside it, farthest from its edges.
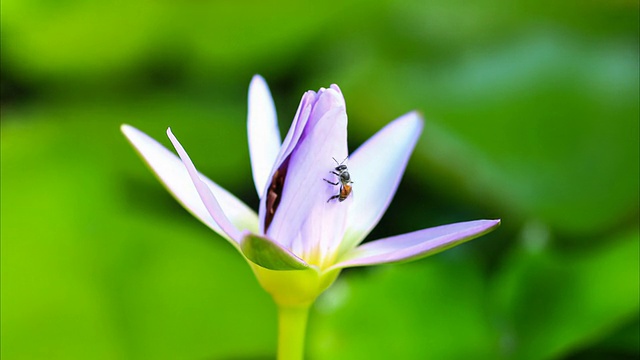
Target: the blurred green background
(532, 116)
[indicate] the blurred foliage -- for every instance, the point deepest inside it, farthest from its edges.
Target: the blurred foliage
(532, 116)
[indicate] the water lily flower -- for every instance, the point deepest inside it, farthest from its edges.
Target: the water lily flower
(303, 235)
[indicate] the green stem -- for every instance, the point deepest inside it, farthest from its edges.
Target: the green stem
(292, 324)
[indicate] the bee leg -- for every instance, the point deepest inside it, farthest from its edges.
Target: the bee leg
(334, 173)
(333, 197)
(332, 183)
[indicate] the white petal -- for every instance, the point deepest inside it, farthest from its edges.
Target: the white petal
(205, 193)
(173, 174)
(415, 245)
(264, 136)
(376, 168)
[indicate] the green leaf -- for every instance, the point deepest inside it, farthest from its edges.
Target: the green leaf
(429, 309)
(99, 261)
(549, 305)
(270, 255)
(541, 125)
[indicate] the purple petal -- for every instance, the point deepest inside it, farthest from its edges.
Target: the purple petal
(264, 136)
(290, 141)
(205, 193)
(173, 174)
(376, 168)
(415, 245)
(304, 221)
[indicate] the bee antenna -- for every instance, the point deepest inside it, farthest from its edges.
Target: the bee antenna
(342, 162)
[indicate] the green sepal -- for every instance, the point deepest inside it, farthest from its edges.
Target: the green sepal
(269, 255)
(294, 288)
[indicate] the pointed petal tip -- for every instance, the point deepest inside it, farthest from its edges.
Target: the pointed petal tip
(417, 244)
(494, 222)
(417, 113)
(411, 124)
(259, 93)
(335, 95)
(486, 225)
(257, 77)
(208, 198)
(263, 132)
(136, 137)
(129, 131)
(416, 118)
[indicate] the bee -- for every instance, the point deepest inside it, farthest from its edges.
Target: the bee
(344, 180)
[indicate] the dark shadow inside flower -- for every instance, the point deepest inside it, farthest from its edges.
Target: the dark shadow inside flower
(274, 192)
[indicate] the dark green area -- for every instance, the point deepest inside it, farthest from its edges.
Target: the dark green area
(532, 116)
